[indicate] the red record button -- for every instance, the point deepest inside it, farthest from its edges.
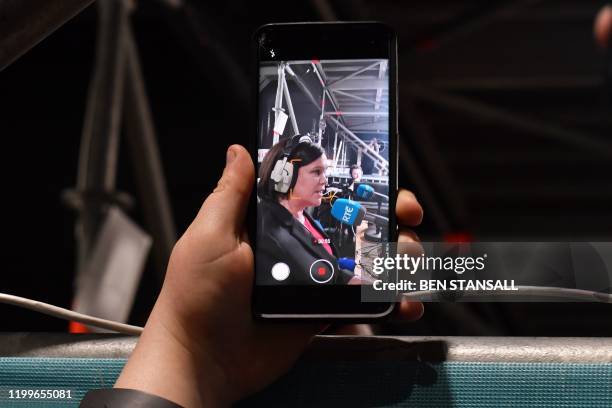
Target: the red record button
(321, 271)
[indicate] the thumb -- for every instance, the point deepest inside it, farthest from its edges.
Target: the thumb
(226, 207)
(603, 26)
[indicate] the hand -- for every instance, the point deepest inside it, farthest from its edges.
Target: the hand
(603, 26)
(201, 345)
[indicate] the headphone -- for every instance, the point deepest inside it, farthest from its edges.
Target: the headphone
(284, 174)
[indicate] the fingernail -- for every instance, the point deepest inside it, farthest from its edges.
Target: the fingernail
(231, 155)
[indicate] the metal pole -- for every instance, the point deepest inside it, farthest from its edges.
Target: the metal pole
(24, 23)
(100, 139)
(318, 69)
(278, 103)
(379, 91)
(290, 106)
(338, 153)
(335, 146)
(349, 113)
(354, 74)
(368, 123)
(366, 148)
(145, 156)
(359, 98)
(322, 117)
(303, 86)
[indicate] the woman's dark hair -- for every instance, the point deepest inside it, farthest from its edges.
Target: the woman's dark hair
(306, 152)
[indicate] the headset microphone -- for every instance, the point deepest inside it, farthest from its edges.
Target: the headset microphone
(284, 173)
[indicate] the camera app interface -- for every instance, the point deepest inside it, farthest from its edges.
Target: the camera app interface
(323, 169)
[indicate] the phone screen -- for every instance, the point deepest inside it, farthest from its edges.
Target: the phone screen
(323, 160)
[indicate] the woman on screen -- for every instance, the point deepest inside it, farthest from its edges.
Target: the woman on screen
(292, 247)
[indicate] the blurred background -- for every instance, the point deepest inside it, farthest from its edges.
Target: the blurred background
(505, 123)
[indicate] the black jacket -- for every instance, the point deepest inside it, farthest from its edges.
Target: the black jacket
(282, 238)
(124, 398)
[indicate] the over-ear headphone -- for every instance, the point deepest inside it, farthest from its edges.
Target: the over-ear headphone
(284, 174)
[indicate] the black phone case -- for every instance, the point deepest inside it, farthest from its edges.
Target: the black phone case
(393, 167)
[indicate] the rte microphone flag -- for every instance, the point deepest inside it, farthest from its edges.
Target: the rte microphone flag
(348, 212)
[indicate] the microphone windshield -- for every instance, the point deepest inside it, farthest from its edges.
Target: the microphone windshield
(364, 191)
(348, 212)
(347, 263)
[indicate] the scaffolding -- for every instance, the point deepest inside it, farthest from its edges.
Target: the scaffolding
(353, 99)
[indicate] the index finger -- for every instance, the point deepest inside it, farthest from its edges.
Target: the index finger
(408, 210)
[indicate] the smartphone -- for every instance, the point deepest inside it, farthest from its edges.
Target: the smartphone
(325, 149)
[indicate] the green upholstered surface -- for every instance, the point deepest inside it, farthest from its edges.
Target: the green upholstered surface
(360, 383)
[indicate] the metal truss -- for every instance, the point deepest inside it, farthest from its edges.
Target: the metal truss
(354, 99)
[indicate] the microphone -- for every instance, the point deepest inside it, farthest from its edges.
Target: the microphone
(347, 263)
(352, 213)
(366, 191)
(348, 212)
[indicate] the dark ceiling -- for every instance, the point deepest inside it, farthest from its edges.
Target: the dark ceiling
(505, 118)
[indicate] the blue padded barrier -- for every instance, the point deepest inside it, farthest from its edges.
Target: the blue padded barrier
(361, 383)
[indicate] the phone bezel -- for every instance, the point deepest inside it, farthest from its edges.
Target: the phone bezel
(357, 40)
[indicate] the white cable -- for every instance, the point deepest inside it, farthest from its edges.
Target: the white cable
(578, 295)
(531, 291)
(66, 314)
